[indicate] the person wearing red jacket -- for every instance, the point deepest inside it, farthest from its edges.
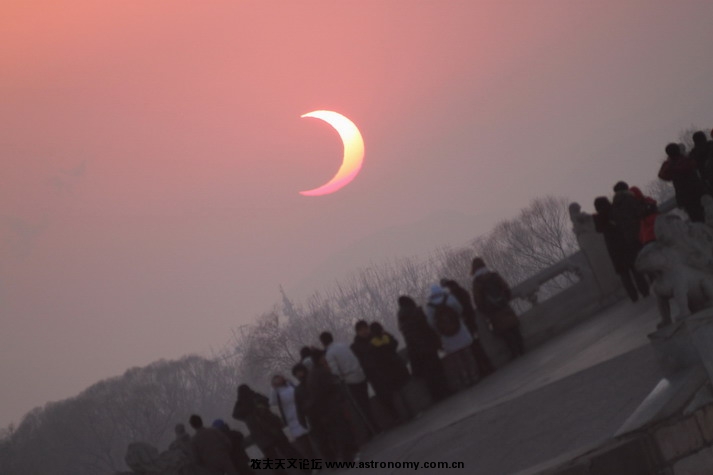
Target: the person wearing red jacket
(649, 213)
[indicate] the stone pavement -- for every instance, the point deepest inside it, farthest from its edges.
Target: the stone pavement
(573, 392)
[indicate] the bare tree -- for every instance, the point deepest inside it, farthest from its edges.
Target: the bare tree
(538, 238)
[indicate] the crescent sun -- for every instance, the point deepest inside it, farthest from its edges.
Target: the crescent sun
(353, 152)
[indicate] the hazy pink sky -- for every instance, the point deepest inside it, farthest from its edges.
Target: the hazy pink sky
(152, 152)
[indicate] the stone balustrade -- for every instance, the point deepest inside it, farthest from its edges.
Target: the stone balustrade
(529, 289)
(597, 285)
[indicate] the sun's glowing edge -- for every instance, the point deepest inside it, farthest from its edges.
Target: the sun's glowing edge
(353, 151)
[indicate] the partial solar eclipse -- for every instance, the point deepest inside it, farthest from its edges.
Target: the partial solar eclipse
(353, 152)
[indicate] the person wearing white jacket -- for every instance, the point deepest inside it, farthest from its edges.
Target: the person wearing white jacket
(283, 396)
(456, 346)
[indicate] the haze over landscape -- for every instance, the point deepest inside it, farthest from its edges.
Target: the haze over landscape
(152, 152)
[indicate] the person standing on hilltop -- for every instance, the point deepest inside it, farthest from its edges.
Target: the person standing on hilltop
(265, 427)
(325, 404)
(626, 215)
(393, 374)
(306, 357)
(345, 365)
(240, 458)
(683, 172)
(702, 154)
(702, 151)
(492, 296)
(422, 345)
(649, 206)
(445, 315)
(485, 366)
(182, 442)
(621, 252)
(283, 396)
(375, 369)
(313, 417)
(211, 448)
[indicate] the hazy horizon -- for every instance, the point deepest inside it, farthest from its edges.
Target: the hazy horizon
(153, 152)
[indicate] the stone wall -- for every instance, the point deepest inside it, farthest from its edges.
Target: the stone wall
(680, 445)
(671, 432)
(598, 287)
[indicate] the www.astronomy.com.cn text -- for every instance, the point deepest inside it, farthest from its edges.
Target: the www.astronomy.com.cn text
(318, 464)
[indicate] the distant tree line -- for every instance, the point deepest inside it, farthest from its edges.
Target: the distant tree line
(88, 434)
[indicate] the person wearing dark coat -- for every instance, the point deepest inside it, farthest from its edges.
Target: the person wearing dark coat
(310, 419)
(503, 319)
(393, 374)
(265, 427)
(240, 458)
(306, 357)
(621, 251)
(422, 345)
(702, 154)
(182, 443)
(321, 401)
(374, 369)
(626, 213)
(485, 366)
(211, 448)
(683, 172)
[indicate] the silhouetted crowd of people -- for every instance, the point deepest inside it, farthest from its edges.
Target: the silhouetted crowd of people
(327, 411)
(329, 402)
(627, 220)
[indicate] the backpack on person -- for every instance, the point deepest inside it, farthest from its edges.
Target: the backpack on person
(495, 293)
(446, 318)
